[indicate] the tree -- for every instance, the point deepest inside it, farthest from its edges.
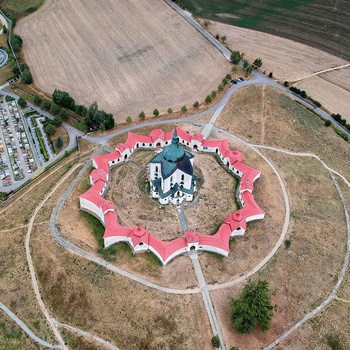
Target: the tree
(213, 94)
(37, 100)
(57, 121)
(142, 115)
(252, 308)
(221, 87)
(63, 114)
(27, 77)
(59, 142)
(249, 69)
(286, 83)
(215, 341)
(257, 62)
(156, 112)
(170, 110)
(22, 102)
(208, 99)
(245, 64)
(63, 99)
(184, 109)
(206, 24)
(196, 104)
(228, 76)
(46, 105)
(235, 57)
(54, 110)
(223, 38)
(4, 29)
(24, 66)
(50, 129)
(16, 42)
(81, 110)
(235, 348)
(128, 119)
(224, 82)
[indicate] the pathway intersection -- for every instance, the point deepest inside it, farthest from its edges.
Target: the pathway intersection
(203, 288)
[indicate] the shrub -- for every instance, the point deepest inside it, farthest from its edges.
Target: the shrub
(215, 341)
(208, 99)
(228, 76)
(63, 114)
(54, 110)
(217, 36)
(37, 100)
(128, 119)
(270, 75)
(27, 77)
(46, 105)
(156, 112)
(328, 122)
(221, 87)
(183, 109)
(59, 142)
(224, 82)
(287, 243)
(142, 115)
(213, 94)
(22, 102)
(196, 104)
(286, 83)
(169, 110)
(4, 29)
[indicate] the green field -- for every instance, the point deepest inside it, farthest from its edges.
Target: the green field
(323, 24)
(20, 8)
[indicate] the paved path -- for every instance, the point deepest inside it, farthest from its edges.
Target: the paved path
(26, 329)
(207, 300)
(87, 335)
(182, 218)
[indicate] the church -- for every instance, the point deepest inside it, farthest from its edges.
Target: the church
(171, 174)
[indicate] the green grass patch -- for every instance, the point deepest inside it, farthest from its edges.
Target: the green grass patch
(20, 8)
(9, 98)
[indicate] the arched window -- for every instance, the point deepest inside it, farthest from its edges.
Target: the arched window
(156, 169)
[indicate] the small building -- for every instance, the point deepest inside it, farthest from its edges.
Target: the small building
(171, 174)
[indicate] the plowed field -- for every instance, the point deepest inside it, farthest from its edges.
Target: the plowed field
(323, 24)
(128, 56)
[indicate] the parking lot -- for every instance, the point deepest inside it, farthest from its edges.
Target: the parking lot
(20, 153)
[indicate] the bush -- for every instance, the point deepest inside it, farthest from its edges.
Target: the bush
(59, 142)
(235, 57)
(183, 109)
(63, 114)
(196, 104)
(50, 129)
(46, 105)
(16, 42)
(27, 77)
(169, 110)
(328, 123)
(221, 87)
(224, 82)
(213, 94)
(54, 110)
(217, 36)
(215, 341)
(142, 115)
(228, 76)
(128, 119)
(22, 102)
(208, 99)
(4, 29)
(286, 83)
(156, 112)
(270, 75)
(287, 243)
(252, 308)
(37, 100)
(57, 121)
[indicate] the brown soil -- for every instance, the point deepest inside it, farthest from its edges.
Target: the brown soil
(142, 59)
(292, 61)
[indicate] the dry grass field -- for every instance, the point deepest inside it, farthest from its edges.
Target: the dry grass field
(293, 61)
(128, 57)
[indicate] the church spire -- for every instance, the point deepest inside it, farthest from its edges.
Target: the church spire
(175, 138)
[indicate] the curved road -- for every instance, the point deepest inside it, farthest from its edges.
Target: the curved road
(258, 78)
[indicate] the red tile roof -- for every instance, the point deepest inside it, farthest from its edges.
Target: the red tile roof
(164, 249)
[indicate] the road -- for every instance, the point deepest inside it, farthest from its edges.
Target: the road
(257, 78)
